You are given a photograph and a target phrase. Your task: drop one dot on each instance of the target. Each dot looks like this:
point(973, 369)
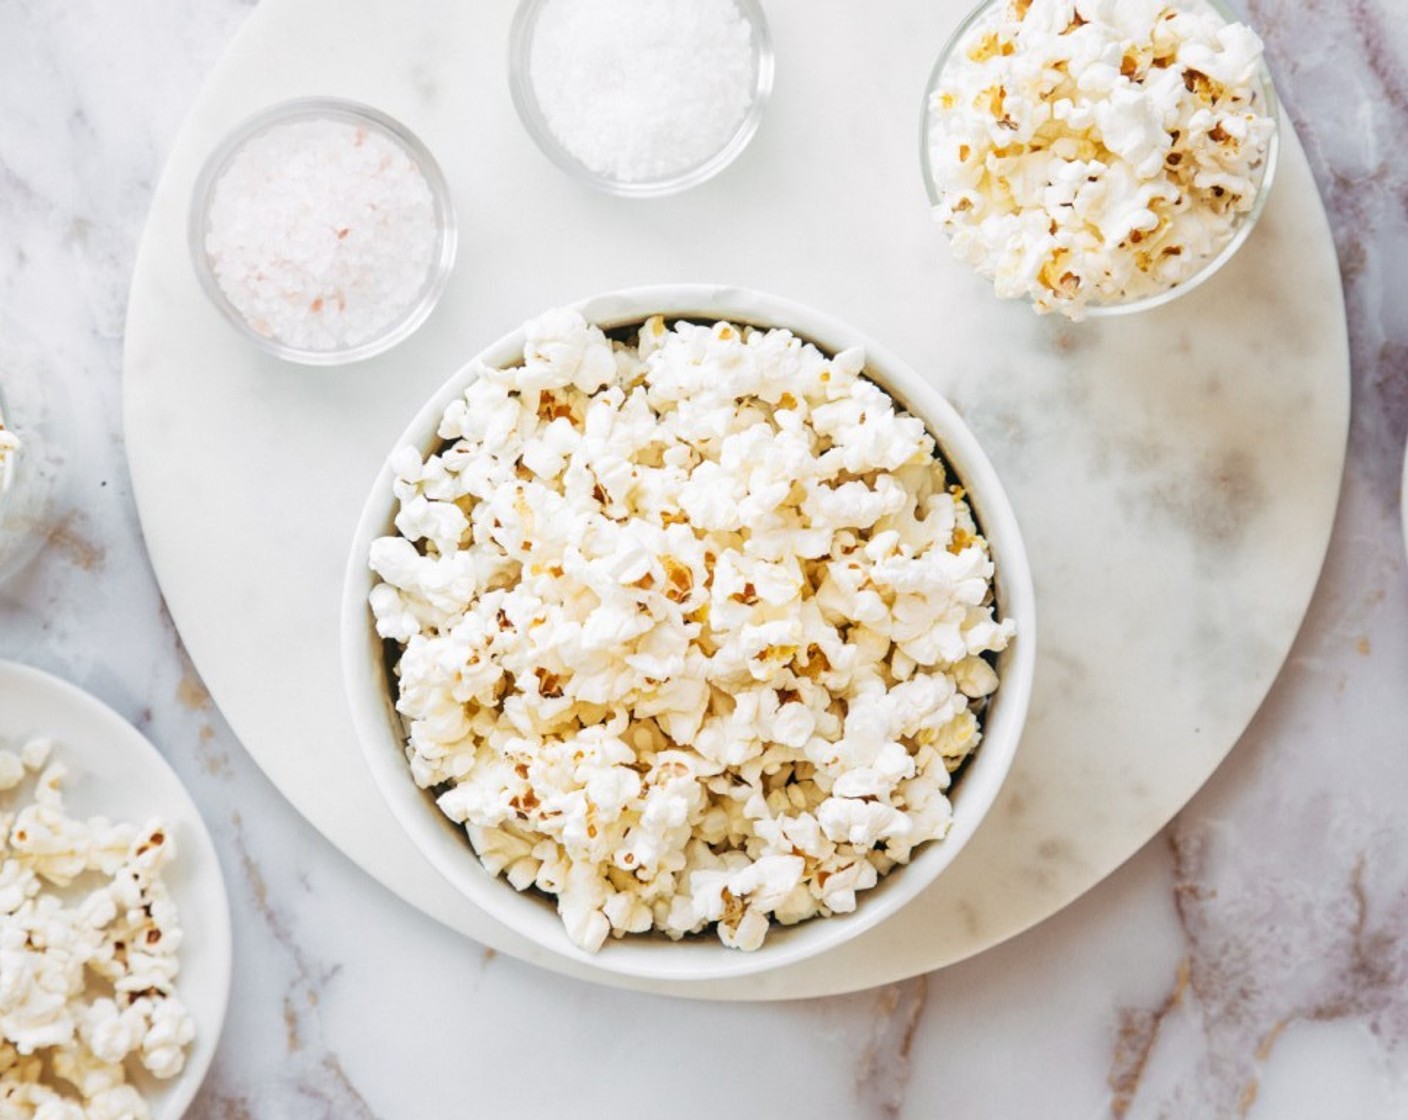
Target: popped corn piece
point(12, 771)
point(35, 753)
point(10, 446)
point(169, 1032)
point(691, 632)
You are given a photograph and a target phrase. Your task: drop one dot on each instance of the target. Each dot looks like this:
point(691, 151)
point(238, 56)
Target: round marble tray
point(1175, 473)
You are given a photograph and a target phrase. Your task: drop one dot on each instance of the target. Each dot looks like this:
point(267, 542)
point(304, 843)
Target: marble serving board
point(1175, 473)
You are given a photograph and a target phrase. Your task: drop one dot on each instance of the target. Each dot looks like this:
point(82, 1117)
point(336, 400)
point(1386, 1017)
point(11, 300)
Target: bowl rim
point(340, 109)
point(1265, 86)
point(443, 843)
point(534, 120)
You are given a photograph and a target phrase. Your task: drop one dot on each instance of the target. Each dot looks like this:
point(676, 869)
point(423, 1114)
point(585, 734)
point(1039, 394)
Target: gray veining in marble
point(1250, 963)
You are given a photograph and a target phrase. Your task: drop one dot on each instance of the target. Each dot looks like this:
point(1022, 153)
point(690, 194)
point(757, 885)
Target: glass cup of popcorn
point(32, 465)
point(1099, 166)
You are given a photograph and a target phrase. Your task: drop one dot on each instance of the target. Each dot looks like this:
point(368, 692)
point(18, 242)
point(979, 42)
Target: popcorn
point(1090, 152)
point(692, 632)
point(9, 455)
point(62, 944)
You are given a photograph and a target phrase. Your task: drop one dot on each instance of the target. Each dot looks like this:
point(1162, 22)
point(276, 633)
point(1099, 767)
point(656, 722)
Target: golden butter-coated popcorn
point(693, 630)
point(88, 943)
point(1097, 151)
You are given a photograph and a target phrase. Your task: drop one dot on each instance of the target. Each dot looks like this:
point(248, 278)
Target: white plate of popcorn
point(701, 620)
point(114, 924)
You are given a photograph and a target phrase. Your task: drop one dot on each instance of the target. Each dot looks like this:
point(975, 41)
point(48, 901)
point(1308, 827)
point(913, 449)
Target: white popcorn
point(169, 1033)
point(692, 631)
point(35, 753)
point(12, 771)
point(9, 455)
point(83, 912)
point(1093, 152)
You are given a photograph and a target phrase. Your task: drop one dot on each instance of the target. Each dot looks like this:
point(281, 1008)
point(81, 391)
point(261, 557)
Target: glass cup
point(33, 476)
point(1264, 98)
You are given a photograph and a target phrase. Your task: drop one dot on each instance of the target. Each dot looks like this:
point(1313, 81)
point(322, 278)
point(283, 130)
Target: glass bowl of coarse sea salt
point(323, 230)
point(641, 97)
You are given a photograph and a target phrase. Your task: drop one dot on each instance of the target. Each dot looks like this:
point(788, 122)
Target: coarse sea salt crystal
point(642, 90)
point(322, 233)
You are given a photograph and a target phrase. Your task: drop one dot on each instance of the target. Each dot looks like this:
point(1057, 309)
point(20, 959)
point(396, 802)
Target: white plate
point(115, 772)
point(1175, 473)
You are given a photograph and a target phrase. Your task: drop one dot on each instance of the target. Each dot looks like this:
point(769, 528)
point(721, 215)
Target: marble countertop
point(1251, 961)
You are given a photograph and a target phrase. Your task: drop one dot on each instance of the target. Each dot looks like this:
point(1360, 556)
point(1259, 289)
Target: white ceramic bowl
point(366, 661)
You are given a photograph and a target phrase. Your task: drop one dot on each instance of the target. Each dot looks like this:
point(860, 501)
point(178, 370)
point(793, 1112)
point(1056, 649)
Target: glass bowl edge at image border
point(339, 109)
point(40, 473)
point(535, 123)
point(1270, 103)
point(10, 479)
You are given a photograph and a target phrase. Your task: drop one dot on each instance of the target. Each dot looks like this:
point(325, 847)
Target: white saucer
point(1175, 473)
point(115, 772)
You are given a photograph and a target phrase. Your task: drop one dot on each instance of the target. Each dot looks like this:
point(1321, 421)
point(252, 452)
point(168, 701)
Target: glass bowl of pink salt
point(323, 230)
point(641, 98)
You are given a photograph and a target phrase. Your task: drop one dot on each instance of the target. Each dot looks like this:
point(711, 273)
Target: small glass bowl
point(352, 112)
point(520, 72)
point(1264, 95)
point(30, 405)
point(16, 543)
